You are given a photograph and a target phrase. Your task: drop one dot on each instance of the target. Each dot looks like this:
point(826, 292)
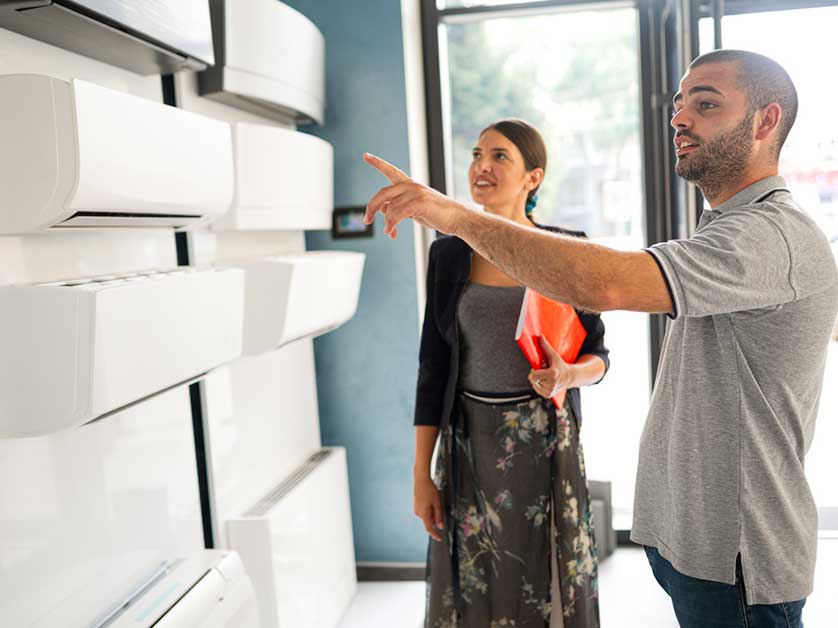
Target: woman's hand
point(558, 374)
point(427, 505)
point(405, 198)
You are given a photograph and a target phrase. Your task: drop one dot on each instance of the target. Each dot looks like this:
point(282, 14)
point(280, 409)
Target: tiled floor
point(629, 596)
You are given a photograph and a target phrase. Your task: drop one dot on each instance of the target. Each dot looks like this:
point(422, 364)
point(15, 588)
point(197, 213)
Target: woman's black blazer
point(449, 267)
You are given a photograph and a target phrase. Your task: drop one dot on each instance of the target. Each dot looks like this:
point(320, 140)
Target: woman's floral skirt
point(509, 474)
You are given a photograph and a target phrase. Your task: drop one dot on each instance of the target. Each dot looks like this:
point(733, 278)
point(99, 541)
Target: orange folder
point(557, 323)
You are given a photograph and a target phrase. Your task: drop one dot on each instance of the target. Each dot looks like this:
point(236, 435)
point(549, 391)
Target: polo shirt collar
point(751, 193)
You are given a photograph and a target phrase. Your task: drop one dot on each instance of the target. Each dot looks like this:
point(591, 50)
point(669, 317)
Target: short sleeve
point(739, 261)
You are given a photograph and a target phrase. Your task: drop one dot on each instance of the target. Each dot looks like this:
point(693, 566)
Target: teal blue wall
point(366, 370)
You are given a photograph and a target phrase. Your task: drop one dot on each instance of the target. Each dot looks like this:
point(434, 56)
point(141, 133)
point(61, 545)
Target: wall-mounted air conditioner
point(269, 59)
point(296, 544)
point(208, 590)
point(283, 180)
point(80, 155)
point(144, 36)
point(293, 296)
point(76, 350)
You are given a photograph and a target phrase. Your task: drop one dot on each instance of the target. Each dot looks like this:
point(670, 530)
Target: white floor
point(629, 596)
point(387, 605)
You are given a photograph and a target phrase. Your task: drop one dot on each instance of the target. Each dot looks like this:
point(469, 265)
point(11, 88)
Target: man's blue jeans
point(705, 604)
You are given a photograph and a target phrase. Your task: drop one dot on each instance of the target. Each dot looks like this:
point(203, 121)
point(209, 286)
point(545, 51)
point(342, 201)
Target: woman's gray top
point(490, 359)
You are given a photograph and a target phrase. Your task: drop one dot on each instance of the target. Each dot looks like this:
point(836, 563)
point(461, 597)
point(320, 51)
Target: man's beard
point(721, 161)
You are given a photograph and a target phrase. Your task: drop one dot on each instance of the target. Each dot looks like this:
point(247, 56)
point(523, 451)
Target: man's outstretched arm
point(567, 269)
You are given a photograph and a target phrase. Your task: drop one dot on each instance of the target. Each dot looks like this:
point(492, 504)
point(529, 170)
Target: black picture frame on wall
point(348, 222)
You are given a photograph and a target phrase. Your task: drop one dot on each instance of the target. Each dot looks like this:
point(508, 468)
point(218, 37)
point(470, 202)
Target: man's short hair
point(764, 81)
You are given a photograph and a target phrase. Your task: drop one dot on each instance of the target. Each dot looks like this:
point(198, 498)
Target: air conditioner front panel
point(194, 326)
point(36, 397)
point(272, 61)
point(137, 156)
point(324, 292)
point(76, 350)
point(290, 297)
point(37, 157)
point(268, 38)
point(284, 180)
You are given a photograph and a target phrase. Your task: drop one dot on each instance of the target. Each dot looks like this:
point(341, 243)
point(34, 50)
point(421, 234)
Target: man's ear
point(768, 120)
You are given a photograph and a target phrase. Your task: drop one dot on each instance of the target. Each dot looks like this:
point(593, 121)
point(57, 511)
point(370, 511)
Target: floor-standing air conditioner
point(296, 544)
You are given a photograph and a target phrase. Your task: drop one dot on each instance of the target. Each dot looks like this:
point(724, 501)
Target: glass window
point(797, 39)
point(575, 76)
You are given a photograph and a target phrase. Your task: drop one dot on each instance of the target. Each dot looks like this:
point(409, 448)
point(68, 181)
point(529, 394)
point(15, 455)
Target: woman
point(509, 460)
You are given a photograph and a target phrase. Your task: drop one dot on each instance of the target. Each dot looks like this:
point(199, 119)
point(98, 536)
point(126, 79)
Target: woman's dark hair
point(528, 140)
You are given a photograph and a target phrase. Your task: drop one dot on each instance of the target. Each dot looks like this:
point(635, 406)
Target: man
point(722, 505)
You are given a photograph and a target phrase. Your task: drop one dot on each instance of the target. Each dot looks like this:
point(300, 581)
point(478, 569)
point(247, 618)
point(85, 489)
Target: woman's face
point(498, 176)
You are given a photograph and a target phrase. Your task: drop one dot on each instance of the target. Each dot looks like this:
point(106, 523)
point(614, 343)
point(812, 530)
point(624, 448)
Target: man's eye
point(501, 156)
point(705, 105)
point(475, 156)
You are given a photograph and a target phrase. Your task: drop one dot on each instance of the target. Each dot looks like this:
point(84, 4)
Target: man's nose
point(680, 120)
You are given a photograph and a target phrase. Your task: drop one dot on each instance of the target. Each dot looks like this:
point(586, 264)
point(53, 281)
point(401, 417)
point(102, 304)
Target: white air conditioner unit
point(80, 155)
point(283, 180)
point(158, 39)
point(148, 37)
point(296, 544)
point(208, 590)
point(73, 351)
point(293, 296)
point(269, 59)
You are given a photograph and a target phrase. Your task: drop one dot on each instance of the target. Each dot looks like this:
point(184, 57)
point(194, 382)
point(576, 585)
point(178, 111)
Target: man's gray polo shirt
point(755, 292)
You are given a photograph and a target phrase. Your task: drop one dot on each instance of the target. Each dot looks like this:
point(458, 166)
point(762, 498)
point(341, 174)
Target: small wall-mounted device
point(348, 222)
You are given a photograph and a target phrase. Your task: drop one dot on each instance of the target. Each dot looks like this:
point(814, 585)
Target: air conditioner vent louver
point(264, 505)
point(126, 219)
